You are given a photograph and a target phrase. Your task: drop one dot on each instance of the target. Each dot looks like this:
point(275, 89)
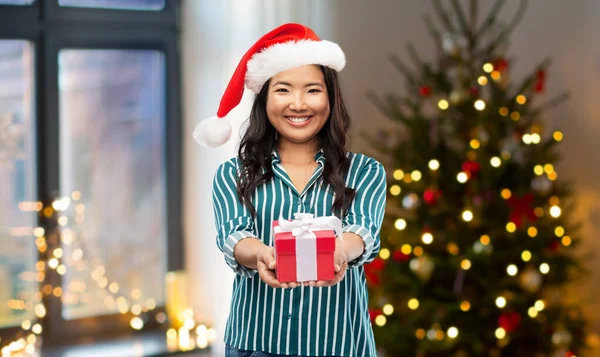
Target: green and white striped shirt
point(305, 321)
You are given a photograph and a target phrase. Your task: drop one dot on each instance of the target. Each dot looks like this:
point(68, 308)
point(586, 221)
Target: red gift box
point(303, 253)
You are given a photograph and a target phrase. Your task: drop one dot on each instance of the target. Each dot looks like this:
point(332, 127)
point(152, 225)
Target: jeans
point(231, 351)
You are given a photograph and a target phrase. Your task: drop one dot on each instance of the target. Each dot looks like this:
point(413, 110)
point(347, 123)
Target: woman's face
point(298, 104)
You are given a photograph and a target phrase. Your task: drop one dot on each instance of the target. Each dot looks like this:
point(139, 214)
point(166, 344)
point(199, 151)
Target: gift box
point(304, 247)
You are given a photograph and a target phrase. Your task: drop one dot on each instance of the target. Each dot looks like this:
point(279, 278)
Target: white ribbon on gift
point(302, 228)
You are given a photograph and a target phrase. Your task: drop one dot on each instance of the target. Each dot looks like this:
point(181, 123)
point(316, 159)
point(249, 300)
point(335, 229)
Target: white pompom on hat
point(288, 46)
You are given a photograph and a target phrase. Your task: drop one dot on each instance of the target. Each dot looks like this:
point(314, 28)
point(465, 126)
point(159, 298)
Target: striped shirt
point(305, 321)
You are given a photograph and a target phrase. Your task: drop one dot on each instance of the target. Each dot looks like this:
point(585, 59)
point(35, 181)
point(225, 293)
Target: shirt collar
point(319, 157)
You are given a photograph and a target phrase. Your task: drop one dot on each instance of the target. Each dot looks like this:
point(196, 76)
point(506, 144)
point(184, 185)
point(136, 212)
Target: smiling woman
point(296, 100)
point(293, 160)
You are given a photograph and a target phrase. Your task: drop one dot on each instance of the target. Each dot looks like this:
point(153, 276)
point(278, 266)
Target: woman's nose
point(298, 102)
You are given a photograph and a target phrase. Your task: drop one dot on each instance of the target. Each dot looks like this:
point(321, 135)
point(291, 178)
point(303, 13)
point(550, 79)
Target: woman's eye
point(314, 90)
point(281, 90)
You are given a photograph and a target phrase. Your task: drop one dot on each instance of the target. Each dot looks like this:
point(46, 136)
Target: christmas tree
point(478, 240)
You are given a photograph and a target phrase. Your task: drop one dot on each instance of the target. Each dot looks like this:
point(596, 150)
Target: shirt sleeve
point(365, 214)
point(233, 220)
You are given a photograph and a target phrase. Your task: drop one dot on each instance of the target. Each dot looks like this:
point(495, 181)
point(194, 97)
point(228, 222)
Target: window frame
point(52, 28)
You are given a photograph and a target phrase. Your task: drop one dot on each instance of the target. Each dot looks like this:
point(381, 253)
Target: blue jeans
point(231, 351)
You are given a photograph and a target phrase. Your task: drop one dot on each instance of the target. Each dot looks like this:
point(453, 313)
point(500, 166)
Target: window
point(18, 216)
point(89, 163)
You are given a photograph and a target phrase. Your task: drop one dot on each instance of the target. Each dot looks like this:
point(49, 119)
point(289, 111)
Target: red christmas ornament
point(509, 321)
point(500, 64)
point(521, 207)
point(373, 313)
point(372, 271)
point(425, 91)
point(472, 168)
point(569, 354)
point(431, 196)
point(400, 257)
point(540, 82)
point(540, 86)
point(540, 74)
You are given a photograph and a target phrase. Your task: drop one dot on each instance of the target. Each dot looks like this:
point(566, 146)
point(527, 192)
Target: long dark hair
point(260, 140)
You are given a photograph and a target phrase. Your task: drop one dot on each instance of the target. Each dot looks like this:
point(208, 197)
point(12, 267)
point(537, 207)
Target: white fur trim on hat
point(283, 56)
point(212, 132)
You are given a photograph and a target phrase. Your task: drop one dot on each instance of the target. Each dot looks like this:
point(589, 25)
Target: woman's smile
point(298, 121)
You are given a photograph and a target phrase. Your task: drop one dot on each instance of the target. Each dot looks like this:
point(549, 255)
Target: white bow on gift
point(304, 223)
point(302, 229)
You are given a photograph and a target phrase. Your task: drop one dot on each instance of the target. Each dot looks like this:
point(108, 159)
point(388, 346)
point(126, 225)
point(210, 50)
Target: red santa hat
point(288, 46)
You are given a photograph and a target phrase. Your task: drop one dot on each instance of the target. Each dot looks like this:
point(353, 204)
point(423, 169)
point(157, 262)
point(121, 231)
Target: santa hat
point(288, 46)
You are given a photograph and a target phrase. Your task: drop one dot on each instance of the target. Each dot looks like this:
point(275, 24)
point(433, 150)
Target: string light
point(418, 251)
point(495, 161)
point(427, 238)
point(505, 193)
point(479, 105)
point(443, 104)
point(416, 175)
point(548, 168)
point(544, 268)
point(465, 305)
point(538, 170)
point(532, 312)
point(512, 270)
point(500, 333)
point(467, 216)
point(501, 301)
point(453, 248)
point(452, 332)
point(398, 174)
point(462, 177)
point(521, 99)
point(495, 75)
point(515, 116)
point(388, 309)
point(532, 231)
point(566, 241)
point(395, 190)
point(555, 211)
point(380, 320)
point(400, 224)
point(413, 304)
point(503, 111)
point(559, 231)
point(484, 239)
point(557, 135)
point(384, 253)
point(420, 333)
point(406, 249)
point(526, 255)
point(465, 264)
point(474, 143)
point(511, 227)
point(488, 67)
point(434, 165)
point(539, 305)
point(482, 80)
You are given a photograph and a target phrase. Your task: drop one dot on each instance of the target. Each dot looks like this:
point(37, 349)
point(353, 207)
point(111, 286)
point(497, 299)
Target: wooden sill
point(143, 344)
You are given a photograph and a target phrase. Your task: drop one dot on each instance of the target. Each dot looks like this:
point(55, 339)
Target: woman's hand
point(340, 265)
point(266, 264)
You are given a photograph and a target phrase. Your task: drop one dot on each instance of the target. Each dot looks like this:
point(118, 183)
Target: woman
point(293, 158)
